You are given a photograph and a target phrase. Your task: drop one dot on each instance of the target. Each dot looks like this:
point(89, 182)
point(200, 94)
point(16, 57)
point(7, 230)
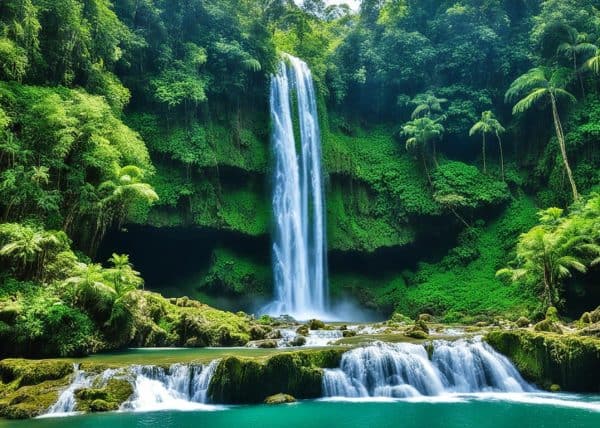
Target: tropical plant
point(489, 125)
point(539, 87)
point(550, 252)
point(576, 48)
point(427, 104)
point(421, 133)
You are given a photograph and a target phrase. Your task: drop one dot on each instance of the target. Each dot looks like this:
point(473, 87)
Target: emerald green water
point(317, 414)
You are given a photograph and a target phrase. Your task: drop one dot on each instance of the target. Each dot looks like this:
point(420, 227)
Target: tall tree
point(489, 125)
point(421, 133)
point(576, 48)
point(543, 86)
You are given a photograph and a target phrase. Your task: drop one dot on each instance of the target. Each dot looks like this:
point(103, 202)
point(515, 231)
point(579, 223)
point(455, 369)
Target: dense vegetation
point(446, 126)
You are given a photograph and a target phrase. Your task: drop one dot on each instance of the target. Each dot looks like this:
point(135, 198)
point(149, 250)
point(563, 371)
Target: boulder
point(298, 341)
point(523, 322)
point(280, 399)
point(315, 324)
point(266, 344)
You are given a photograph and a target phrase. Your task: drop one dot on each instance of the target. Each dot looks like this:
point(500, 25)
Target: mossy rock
point(547, 358)
point(258, 332)
point(108, 398)
point(267, 344)
point(315, 324)
point(243, 381)
point(303, 330)
point(552, 314)
point(523, 322)
point(592, 330)
point(348, 333)
point(279, 399)
point(416, 334)
point(585, 318)
point(31, 400)
point(595, 315)
point(32, 372)
point(548, 325)
point(298, 341)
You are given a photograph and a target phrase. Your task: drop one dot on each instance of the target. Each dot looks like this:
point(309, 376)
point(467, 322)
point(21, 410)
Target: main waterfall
point(299, 243)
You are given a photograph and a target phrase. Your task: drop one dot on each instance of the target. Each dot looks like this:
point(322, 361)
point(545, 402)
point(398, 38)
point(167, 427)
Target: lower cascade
point(178, 387)
point(405, 370)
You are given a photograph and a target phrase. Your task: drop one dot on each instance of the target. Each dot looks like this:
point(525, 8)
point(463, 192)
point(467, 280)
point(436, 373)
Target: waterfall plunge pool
point(465, 411)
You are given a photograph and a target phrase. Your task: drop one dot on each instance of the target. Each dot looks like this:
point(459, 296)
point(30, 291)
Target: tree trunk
point(501, 155)
point(426, 168)
point(483, 151)
point(578, 74)
point(561, 143)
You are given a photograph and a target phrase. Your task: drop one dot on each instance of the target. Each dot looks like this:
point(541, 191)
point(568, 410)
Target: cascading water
point(299, 248)
point(179, 387)
point(406, 370)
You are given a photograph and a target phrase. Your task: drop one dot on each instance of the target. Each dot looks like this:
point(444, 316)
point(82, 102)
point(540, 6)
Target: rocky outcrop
point(240, 380)
point(567, 360)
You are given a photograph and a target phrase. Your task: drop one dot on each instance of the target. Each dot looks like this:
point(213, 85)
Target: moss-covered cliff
point(569, 361)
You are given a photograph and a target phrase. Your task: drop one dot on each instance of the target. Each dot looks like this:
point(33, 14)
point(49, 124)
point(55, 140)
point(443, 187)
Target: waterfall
point(178, 387)
point(406, 370)
point(66, 402)
point(299, 243)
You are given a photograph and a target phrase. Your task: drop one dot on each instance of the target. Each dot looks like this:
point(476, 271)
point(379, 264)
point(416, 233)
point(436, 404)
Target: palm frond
point(530, 100)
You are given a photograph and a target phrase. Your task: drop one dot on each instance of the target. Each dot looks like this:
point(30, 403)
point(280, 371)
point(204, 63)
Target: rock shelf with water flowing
point(299, 238)
point(406, 370)
point(178, 387)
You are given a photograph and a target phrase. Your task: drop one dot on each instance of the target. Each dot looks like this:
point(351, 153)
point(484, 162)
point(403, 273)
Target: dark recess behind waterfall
point(173, 260)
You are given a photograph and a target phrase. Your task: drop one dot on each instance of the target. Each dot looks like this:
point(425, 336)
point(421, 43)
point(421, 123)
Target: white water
point(66, 403)
point(299, 242)
point(406, 370)
point(315, 338)
point(179, 387)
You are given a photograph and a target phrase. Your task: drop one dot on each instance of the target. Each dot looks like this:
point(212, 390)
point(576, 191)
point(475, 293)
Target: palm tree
point(427, 104)
point(540, 86)
point(421, 132)
point(117, 195)
point(489, 125)
point(40, 175)
point(28, 247)
point(122, 274)
point(574, 48)
point(88, 288)
point(548, 254)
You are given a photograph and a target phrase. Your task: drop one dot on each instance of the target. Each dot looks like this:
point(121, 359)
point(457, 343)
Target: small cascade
point(178, 387)
point(315, 338)
point(66, 403)
point(406, 370)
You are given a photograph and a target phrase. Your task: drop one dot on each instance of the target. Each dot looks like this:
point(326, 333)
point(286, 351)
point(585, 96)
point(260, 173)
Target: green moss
point(460, 290)
point(29, 387)
point(32, 372)
point(299, 374)
point(546, 358)
point(205, 145)
point(233, 273)
point(108, 398)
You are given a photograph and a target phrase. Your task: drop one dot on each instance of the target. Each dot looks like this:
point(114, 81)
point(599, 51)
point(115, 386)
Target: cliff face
point(213, 179)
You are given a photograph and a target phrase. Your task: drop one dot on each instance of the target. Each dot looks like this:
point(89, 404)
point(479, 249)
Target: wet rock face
point(568, 360)
point(28, 388)
point(241, 381)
